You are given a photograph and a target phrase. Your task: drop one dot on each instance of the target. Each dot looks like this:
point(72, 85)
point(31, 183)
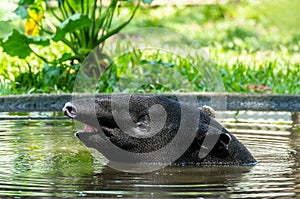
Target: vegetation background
point(254, 44)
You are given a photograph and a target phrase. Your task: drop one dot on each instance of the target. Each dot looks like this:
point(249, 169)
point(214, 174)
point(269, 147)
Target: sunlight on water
point(43, 158)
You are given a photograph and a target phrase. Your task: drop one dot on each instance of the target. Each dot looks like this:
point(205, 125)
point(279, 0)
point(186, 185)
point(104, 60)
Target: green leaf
point(17, 44)
point(5, 28)
point(65, 57)
point(147, 1)
point(75, 22)
point(26, 2)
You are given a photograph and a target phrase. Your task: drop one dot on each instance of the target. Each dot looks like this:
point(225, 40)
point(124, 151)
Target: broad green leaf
point(5, 28)
point(65, 57)
point(26, 2)
point(17, 44)
point(75, 22)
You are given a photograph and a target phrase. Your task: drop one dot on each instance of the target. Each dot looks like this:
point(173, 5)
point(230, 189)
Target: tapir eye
point(143, 123)
point(152, 122)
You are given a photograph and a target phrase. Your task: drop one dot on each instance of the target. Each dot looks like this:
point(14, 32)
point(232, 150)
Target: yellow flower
point(34, 17)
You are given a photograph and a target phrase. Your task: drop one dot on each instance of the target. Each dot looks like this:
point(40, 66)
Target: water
point(42, 158)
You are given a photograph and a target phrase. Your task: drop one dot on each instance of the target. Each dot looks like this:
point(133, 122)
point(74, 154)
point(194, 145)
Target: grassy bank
point(250, 49)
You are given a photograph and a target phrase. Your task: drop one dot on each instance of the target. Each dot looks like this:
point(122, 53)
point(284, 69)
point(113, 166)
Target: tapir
point(160, 128)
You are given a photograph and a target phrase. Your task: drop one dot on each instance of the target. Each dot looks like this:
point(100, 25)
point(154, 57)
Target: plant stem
point(56, 16)
point(116, 30)
point(68, 43)
point(108, 16)
point(64, 10)
point(88, 7)
point(82, 6)
point(70, 7)
point(93, 17)
point(42, 58)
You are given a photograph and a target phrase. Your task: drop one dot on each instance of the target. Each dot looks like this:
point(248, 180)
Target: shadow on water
point(42, 158)
point(168, 182)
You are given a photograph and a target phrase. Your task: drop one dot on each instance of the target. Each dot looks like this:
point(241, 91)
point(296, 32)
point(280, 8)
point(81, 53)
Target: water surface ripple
point(42, 158)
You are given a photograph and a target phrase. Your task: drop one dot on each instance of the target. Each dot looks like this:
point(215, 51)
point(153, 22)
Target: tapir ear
point(209, 111)
point(225, 139)
point(220, 148)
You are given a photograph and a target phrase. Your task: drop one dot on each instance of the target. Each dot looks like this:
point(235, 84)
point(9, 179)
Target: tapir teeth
point(88, 128)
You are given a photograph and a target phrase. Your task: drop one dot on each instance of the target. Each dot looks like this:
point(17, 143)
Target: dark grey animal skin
point(227, 150)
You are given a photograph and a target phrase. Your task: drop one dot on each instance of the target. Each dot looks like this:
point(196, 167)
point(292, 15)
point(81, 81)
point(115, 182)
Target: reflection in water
point(43, 158)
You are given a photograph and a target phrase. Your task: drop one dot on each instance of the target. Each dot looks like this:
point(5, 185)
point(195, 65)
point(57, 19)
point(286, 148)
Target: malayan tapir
point(143, 124)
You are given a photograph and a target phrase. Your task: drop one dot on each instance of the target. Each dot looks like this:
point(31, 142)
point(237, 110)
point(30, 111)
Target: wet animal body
point(144, 124)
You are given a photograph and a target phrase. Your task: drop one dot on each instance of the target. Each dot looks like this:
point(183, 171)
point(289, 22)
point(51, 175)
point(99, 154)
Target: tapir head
point(143, 124)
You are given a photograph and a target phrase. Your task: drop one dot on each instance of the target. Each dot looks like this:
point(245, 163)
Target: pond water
point(41, 157)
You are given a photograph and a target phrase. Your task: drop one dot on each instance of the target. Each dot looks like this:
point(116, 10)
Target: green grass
point(247, 46)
